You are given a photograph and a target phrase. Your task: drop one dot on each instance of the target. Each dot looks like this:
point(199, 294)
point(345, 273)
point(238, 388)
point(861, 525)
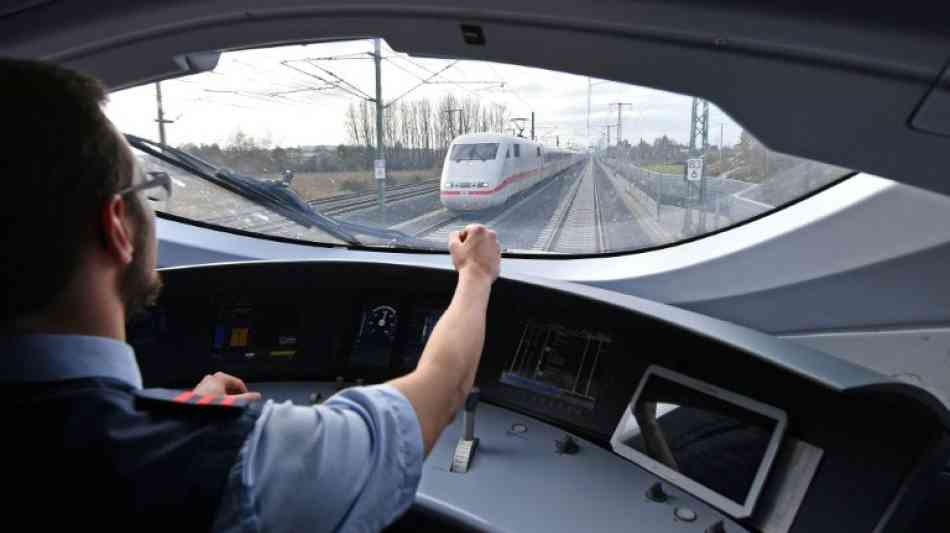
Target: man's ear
point(117, 231)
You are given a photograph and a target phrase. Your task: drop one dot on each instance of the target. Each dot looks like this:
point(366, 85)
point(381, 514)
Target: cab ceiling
point(840, 84)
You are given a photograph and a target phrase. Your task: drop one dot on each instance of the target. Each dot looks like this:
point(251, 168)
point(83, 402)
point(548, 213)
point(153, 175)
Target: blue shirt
point(352, 463)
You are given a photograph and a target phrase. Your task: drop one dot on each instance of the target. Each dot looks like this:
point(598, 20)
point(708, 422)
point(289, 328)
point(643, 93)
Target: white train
point(483, 170)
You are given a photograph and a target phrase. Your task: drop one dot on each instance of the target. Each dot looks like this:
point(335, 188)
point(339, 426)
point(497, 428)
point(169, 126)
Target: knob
point(339, 383)
point(656, 493)
point(359, 382)
point(716, 527)
point(567, 446)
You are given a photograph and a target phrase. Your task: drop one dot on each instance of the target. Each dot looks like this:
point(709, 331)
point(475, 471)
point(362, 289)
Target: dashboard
point(561, 362)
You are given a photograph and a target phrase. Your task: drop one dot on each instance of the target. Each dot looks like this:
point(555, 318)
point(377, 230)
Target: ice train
point(483, 170)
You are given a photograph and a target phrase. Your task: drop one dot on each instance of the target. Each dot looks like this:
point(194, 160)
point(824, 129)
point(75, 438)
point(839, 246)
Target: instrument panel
point(570, 360)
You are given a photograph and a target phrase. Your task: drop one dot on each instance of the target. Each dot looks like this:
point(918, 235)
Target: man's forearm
point(456, 343)
point(437, 387)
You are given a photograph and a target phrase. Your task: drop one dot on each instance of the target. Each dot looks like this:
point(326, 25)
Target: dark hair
point(61, 161)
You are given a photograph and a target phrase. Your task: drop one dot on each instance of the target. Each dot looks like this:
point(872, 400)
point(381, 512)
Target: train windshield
point(353, 143)
point(478, 151)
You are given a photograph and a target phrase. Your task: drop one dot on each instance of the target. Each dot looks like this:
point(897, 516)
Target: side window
point(539, 151)
point(517, 150)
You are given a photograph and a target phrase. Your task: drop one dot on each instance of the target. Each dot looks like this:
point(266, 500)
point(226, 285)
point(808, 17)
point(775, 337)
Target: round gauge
point(381, 321)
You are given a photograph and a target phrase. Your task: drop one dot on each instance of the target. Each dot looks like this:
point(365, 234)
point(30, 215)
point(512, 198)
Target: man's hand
point(475, 252)
point(221, 384)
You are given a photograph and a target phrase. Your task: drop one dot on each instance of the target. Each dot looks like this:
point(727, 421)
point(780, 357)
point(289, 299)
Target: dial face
point(380, 322)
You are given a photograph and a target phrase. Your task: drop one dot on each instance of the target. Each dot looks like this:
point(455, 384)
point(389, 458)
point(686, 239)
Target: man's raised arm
point(438, 386)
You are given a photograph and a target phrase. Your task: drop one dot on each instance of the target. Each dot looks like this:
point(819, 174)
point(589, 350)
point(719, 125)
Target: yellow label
point(283, 353)
point(238, 337)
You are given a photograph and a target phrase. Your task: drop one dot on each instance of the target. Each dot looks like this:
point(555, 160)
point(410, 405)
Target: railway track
point(261, 220)
point(437, 225)
point(578, 225)
point(349, 203)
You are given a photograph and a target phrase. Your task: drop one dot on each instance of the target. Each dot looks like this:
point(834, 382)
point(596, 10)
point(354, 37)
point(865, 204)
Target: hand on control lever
point(475, 252)
point(221, 384)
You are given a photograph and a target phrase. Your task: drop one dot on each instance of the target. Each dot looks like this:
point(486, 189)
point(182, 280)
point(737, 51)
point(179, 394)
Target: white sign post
point(379, 165)
point(694, 169)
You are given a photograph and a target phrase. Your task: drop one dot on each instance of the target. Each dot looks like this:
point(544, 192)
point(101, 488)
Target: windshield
point(295, 142)
point(480, 151)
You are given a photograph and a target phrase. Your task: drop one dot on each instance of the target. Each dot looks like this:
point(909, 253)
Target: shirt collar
point(45, 358)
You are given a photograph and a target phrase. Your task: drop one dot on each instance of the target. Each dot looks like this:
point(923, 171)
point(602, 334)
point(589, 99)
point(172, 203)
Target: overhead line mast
point(161, 113)
point(380, 153)
point(620, 119)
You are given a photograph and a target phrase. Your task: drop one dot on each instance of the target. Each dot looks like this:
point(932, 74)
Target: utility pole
point(607, 127)
point(699, 128)
point(161, 113)
point(380, 152)
point(588, 108)
point(720, 148)
point(620, 119)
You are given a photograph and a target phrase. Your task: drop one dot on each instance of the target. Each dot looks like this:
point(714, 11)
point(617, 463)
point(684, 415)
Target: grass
point(323, 184)
point(666, 169)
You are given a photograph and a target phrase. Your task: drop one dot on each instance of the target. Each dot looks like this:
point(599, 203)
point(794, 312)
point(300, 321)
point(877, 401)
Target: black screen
point(716, 443)
point(555, 361)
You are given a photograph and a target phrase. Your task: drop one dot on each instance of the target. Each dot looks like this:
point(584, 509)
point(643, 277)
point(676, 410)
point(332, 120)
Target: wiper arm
point(275, 196)
point(285, 203)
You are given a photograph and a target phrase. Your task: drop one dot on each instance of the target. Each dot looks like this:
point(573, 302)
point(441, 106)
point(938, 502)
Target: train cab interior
point(727, 309)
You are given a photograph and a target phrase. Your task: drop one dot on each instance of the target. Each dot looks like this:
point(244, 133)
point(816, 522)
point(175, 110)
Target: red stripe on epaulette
point(185, 396)
point(205, 399)
point(150, 399)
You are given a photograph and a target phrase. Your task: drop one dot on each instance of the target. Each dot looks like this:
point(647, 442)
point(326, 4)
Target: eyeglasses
point(158, 185)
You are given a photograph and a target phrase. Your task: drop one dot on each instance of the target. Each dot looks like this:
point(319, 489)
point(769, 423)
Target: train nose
point(466, 200)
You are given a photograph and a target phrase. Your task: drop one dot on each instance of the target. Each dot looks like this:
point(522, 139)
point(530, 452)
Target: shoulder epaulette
point(186, 399)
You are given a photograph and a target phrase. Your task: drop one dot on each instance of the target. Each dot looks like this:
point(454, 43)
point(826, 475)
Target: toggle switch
point(656, 493)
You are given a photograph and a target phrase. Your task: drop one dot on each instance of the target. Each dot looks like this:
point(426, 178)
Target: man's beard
point(140, 285)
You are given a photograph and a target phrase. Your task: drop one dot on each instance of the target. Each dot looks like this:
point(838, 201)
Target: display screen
point(373, 346)
point(254, 333)
point(717, 443)
point(556, 361)
point(422, 321)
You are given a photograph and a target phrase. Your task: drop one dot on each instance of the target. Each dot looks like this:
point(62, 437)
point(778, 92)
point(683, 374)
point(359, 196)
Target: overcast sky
point(275, 93)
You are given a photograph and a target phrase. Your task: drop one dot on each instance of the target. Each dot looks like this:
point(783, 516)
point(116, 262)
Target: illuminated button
point(685, 514)
point(238, 337)
point(519, 428)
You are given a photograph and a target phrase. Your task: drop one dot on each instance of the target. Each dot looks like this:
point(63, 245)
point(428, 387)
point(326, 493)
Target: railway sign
point(694, 169)
point(379, 165)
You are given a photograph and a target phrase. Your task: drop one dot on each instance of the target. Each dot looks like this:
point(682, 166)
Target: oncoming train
point(484, 170)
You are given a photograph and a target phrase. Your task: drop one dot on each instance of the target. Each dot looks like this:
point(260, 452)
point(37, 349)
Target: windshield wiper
point(275, 196)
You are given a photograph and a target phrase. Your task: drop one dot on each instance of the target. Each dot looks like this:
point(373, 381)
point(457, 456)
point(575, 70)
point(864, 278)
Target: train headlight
point(482, 185)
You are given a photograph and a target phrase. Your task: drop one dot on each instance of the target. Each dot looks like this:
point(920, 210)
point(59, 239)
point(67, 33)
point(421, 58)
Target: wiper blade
point(274, 195)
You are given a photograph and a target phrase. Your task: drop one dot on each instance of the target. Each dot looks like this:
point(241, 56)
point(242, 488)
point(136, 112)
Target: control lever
point(468, 443)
